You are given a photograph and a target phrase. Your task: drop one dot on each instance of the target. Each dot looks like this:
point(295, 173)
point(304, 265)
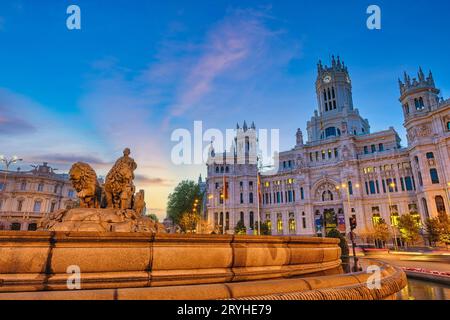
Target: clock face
point(327, 79)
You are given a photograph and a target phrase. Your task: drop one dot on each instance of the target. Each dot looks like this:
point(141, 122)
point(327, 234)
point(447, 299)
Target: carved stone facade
point(343, 170)
point(28, 195)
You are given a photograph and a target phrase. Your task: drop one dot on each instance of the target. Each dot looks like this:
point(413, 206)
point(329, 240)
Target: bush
point(240, 228)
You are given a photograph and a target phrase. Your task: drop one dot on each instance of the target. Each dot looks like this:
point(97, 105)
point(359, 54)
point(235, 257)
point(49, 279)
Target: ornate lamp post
point(352, 224)
point(8, 163)
point(392, 186)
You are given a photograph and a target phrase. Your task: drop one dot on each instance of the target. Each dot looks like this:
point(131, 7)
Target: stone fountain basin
point(39, 261)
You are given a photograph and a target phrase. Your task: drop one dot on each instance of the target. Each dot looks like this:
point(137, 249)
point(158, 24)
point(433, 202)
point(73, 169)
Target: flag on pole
point(225, 188)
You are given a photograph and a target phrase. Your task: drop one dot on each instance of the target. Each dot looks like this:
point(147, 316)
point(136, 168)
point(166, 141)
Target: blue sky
point(140, 69)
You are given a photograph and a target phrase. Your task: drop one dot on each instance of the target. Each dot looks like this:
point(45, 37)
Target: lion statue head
point(84, 181)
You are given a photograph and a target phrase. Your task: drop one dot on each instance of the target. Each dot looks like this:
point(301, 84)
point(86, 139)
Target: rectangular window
point(242, 198)
point(367, 188)
point(434, 176)
point(373, 148)
point(381, 147)
point(402, 182)
point(384, 185)
point(350, 188)
point(366, 150)
point(336, 153)
point(302, 193)
point(372, 187)
point(378, 186)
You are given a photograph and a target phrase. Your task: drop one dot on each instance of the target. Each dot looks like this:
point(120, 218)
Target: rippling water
point(424, 290)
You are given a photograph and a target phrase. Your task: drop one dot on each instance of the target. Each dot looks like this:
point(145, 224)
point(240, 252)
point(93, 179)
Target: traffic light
point(353, 223)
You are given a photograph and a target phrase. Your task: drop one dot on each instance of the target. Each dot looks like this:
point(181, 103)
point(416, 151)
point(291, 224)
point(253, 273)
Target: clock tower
point(333, 87)
point(336, 115)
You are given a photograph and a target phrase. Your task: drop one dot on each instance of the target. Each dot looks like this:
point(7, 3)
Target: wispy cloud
point(153, 181)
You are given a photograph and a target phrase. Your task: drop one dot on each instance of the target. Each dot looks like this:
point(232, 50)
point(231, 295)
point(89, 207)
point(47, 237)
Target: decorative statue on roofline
point(114, 207)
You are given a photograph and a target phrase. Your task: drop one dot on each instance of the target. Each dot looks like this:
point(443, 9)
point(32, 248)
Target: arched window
point(52, 207)
point(292, 224)
point(280, 223)
point(20, 205)
point(217, 169)
point(327, 196)
point(37, 206)
point(440, 205)
point(406, 107)
point(330, 132)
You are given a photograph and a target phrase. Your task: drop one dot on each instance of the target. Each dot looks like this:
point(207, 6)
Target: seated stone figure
point(123, 212)
point(119, 187)
point(84, 180)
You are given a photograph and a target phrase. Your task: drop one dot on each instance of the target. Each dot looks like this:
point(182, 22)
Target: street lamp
point(392, 186)
point(352, 236)
point(8, 163)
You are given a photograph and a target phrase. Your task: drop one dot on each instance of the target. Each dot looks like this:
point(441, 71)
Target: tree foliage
point(189, 221)
point(264, 228)
point(154, 217)
point(182, 200)
point(240, 228)
point(433, 228)
point(382, 231)
point(409, 228)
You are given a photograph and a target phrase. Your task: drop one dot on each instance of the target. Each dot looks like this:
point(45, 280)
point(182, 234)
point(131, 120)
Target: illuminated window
point(292, 224)
point(280, 223)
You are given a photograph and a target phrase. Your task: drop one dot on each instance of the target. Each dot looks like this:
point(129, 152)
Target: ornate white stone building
point(344, 169)
point(26, 196)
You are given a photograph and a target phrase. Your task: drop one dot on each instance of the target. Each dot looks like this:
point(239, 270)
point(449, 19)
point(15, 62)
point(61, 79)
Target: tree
point(154, 217)
point(343, 242)
point(433, 227)
point(382, 233)
point(182, 200)
point(444, 235)
point(240, 228)
point(264, 228)
point(409, 228)
point(188, 222)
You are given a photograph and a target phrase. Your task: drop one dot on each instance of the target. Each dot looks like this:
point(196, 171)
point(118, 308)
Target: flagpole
point(257, 196)
point(224, 199)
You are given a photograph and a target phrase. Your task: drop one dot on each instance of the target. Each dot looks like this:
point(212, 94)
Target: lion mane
point(84, 180)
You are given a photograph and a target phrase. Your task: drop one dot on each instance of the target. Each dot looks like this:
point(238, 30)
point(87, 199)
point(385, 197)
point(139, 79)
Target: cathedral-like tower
point(333, 87)
point(336, 115)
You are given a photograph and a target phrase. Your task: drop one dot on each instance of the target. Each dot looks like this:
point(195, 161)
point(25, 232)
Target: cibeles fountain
point(114, 207)
point(120, 254)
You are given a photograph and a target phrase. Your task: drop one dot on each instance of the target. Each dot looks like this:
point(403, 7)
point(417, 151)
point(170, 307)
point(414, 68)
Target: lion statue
point(84, 180)
point(119, 188)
